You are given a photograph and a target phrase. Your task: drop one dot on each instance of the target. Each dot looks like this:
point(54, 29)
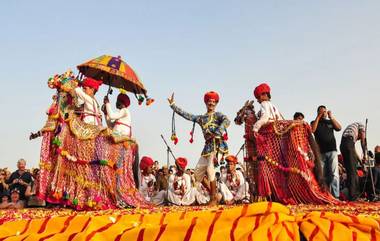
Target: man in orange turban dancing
point(214, 125)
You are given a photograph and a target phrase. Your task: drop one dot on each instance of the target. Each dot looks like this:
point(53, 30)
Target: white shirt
point(268, 113)
point(121, 120)
point(91, 112)
point(145, 190)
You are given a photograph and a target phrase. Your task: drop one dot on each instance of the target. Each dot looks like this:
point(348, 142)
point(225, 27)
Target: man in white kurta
point(147, 183)
point(268, 112)
point(180, 191)
point(91, 111)
point(121, 119)
point(234, 187)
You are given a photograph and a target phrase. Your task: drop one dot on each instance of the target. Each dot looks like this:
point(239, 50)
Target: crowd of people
point(346, 177)
point(177, 185)
point(17, 188)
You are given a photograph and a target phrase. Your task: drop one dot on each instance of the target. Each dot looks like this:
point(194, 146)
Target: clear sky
point(310, 52)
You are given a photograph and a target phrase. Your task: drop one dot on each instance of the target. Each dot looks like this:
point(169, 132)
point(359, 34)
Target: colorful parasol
point(113, 71)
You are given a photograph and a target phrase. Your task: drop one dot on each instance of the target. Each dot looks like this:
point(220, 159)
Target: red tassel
point(175, 141)
point(225, 136)
point(191, 140)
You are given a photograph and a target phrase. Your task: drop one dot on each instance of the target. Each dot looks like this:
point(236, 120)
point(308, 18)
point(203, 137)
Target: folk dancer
point(147, 183)
point(214, 125)
point(180, 191)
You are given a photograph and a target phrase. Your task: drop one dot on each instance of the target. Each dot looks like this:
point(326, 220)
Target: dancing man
point(214, 125)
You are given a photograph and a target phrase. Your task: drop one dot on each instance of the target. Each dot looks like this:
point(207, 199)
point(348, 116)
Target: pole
point(168, 147)
point(168, 150)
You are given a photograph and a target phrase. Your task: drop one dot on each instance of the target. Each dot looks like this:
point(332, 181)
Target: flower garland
point(60, 151)
point(288, 169)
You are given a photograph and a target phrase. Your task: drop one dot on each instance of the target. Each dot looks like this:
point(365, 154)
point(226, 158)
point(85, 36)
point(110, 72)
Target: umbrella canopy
point(113, 71)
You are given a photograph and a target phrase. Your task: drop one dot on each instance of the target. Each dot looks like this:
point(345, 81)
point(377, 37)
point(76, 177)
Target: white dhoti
point(205, 166)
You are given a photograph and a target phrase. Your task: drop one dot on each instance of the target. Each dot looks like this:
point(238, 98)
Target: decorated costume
point(148, 181)
point(91, 111)
point(247, 116)
point(213, 126)
point(268, 112)
point(180, 190)
point(234, 187)
point(81, 165)
point(288, 164)
point(120, 120)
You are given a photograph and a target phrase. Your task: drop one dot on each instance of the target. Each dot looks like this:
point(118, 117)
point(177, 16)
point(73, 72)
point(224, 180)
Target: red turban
point(263, 88)
point(92, 83)
point(231, 159)
point(146, 162)
point(211, 95)
point(181, 162)
point(124, 99)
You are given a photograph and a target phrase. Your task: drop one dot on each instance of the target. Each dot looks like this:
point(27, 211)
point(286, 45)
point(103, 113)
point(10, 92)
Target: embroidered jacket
point(214, 125)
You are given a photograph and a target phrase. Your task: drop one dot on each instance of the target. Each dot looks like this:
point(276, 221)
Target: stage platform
point(257, 221)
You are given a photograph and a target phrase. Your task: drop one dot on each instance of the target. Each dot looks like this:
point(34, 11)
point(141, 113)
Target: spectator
point(376, 174)
point(235, 188)
point(180, 191)
point(351, 134)
point(20, 179)
point(16, 202)
point(223, 172)
point(156, 167)
point(162, 179)
point(323, 128)
point(298, 116)
point(3, 184)
point(30, 193)
point(4, 200)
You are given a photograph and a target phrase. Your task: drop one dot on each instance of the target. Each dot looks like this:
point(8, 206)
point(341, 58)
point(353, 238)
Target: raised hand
point(171, 99)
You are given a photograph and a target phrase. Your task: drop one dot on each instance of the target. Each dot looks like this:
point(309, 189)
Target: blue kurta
point(214, 124)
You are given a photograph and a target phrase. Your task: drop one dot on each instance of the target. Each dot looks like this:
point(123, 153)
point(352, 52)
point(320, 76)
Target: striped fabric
point(353, 130)
point(264, 221)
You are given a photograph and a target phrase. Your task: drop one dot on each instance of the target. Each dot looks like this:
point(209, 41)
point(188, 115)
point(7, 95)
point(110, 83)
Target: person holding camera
point(323, 128)
point(20, 179)
point(353, 133)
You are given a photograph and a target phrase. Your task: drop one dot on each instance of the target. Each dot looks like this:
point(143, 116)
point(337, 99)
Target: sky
point(309, 52)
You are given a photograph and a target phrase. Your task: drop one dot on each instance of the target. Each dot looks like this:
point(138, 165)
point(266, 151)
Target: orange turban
point(146, 162)
point(263, 88)
point(181, 162)
point(211, 95)
point(92, 83)
point(231, 159)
